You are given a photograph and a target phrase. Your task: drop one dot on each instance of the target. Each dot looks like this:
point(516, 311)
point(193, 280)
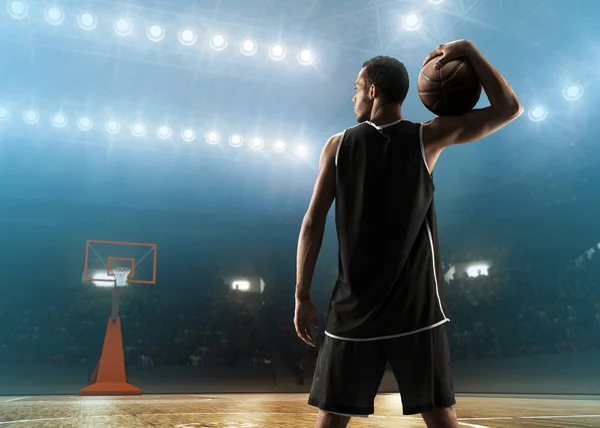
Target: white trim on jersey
point(437, 287)
point(337, 152)
point(379, 127)
point(391, 336)
point(423, 148)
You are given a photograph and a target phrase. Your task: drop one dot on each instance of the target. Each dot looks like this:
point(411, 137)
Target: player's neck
point(385, 114)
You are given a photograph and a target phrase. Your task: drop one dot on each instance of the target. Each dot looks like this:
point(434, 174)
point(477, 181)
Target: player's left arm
point(476, 124)
point(313, 224)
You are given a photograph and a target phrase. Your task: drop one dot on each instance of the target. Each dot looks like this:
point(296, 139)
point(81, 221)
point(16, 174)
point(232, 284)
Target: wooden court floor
point(279, 410)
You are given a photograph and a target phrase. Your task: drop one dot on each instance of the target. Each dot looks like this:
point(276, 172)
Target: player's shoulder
point(332, 144)
point(336, 137)
point(356, 128)
point(434, 129)
point(439, 130)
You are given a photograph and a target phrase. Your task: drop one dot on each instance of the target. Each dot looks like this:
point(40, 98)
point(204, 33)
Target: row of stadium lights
point(139, 129)
point(412, 21)
point(87, 21)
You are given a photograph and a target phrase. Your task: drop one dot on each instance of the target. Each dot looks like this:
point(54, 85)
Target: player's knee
point(331, 420)
point(443, 417)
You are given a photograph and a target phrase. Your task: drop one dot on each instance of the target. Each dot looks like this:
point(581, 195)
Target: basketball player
point(388, 304)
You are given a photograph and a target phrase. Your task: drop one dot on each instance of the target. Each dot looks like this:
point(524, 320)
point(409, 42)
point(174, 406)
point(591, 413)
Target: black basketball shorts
point(348, 373)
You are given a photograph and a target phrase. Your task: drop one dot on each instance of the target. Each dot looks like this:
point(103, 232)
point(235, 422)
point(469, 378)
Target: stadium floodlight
point(188, 135)
point(112, 127)
point(411, 21)
point(218, 42)
point(59, 120)
point(187, 37)
point(279, 146)
point(31, 116)
point(538, 113)
point(248, 47)
point(54, 15)
point(301, 150)
point(236, 140)
point(85, 123)
point(138, 129)
point(4, 113)
point(123, 26)
point(212, 137)
point(155, 32)
point(277, 52)
point(164, 132)
point(17, 9)
point(257, 143)
point(87, 21)
point(573, 92)
point(306, 57)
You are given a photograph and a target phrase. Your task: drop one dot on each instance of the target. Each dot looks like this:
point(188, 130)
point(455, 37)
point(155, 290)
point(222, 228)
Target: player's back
point(390, 280)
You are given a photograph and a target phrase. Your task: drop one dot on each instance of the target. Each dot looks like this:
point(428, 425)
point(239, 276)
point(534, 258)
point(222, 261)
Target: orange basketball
point(452, 90)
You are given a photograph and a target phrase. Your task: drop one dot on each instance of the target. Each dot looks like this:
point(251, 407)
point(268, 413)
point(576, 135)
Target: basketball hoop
point(121, 274)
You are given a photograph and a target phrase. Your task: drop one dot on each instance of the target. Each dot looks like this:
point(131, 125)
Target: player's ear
point(372, 92)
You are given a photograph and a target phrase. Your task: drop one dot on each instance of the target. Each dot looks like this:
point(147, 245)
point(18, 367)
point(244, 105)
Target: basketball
point(452, 90)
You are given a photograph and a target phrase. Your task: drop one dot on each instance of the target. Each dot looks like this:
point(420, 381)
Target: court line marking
point(560, 417)
point(16, 399)
point(494, 418)
point(460, 420)
point(501, 418)
point(112, 399)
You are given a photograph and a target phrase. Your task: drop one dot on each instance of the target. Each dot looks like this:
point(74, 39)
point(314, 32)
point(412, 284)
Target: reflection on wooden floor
point(279, 410)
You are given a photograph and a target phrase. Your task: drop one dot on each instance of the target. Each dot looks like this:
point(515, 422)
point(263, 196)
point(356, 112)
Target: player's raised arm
point(478, 123)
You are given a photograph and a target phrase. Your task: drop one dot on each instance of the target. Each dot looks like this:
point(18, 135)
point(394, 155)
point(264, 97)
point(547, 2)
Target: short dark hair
point(389, 76)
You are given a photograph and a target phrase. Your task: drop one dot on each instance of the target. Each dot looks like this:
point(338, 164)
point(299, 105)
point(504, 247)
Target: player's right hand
point(305, 313)
point(448, 51)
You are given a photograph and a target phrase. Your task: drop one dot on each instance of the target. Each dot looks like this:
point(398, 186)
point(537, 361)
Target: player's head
point(382, 78)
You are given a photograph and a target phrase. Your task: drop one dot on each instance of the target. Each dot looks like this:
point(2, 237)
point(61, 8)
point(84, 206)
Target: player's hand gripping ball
point(448, 84)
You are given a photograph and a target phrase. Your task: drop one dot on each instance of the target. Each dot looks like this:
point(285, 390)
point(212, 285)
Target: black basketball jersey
point(390, 279)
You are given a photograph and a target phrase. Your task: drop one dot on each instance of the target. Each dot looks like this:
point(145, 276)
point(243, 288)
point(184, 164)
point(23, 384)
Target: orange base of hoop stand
point(110, 378)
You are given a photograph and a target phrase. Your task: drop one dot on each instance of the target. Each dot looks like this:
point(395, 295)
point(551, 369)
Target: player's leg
point(331, 420)
point(346, 380)
point(421, 365)
point(444, 417)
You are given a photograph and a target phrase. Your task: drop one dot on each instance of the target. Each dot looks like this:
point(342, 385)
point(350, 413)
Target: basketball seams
point(453, 73)
point(451, 90)
point(443, 91)
point(439, 73)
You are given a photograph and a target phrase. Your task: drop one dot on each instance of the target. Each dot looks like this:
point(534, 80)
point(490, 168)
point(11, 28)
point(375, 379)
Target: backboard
point(103, 256)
